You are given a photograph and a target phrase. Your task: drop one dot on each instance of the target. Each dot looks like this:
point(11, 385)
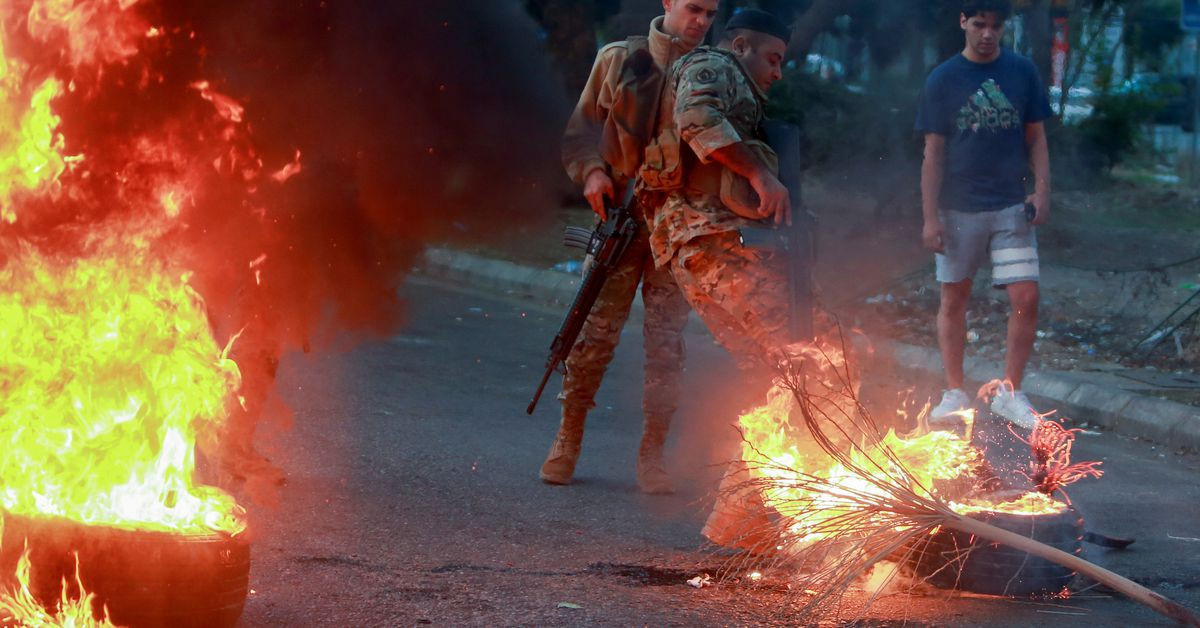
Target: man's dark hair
point(1002, 8)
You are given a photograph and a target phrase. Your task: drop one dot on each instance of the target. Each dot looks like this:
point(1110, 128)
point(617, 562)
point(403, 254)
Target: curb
point(548, 287)
point(1121, 411)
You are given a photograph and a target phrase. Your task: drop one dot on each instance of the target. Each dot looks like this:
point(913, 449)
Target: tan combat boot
point(652, 476)
point(739, 518)
point(560, 462)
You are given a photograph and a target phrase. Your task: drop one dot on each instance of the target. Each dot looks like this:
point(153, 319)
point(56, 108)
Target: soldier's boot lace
point(564, 453)
point(652, 476)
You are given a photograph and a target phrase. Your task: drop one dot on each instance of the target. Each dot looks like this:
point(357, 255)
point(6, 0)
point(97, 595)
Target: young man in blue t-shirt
point(982, 114)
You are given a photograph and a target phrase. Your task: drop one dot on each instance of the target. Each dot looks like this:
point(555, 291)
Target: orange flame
point(90, 32)
point(110, 372)
point(19, 607)
point(938, 464)
point(1051, 468)
point(226, 107)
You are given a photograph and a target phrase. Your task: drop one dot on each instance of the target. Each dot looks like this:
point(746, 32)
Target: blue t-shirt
point(982, 110)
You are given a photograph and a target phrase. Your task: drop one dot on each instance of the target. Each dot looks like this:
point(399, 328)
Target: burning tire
point(144, 578)
point(953, 559)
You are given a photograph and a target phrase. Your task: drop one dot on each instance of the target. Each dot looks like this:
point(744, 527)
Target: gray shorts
point(970, 237)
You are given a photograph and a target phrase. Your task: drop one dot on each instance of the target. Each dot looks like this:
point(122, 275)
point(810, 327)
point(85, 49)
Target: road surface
point(412, 495)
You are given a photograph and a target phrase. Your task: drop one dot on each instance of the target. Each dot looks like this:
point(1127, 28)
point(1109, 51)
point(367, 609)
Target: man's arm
point(773, 197)
point(1039, 159)
point(581, 139)
point(933, 168)
point(704, 81)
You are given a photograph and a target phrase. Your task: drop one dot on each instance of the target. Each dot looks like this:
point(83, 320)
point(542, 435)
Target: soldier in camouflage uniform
point(729, 182)
point(729, 185)
point(619, 109)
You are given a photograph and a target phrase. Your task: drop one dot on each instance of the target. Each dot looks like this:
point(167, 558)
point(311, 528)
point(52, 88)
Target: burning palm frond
point(1051, 468)
point(876, 496)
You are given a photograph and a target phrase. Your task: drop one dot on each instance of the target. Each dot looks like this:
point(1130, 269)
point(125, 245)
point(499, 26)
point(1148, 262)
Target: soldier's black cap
point(759, 21)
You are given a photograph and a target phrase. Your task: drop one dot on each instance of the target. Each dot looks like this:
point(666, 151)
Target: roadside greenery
point(855, 70)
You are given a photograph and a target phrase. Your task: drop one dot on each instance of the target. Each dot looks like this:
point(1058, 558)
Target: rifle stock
point(607, 247)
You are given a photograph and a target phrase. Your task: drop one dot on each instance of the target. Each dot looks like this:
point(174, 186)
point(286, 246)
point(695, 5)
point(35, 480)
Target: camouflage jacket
point(716, 105)
point(612, 120)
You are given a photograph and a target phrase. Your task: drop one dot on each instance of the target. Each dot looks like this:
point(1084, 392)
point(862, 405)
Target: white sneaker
point(948, 415)
point(1014, 406)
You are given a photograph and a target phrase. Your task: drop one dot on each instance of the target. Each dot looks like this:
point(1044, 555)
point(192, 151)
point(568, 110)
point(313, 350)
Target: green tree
point(1150, 30)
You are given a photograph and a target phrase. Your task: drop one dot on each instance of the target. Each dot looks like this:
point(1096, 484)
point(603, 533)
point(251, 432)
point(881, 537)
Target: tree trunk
point(948, 35)
point(817, 19)
point(916, 59)
point(1041, 36)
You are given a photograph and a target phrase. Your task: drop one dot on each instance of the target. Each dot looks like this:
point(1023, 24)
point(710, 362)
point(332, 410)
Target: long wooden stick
point(1117, 582)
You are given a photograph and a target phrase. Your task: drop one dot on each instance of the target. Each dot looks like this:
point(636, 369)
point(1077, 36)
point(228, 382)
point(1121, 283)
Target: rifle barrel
point(542, 386)
point(613, 239)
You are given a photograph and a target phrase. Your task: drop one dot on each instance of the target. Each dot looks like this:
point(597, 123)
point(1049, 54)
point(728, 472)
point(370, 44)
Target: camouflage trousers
point(739, 294)
point(666, 313)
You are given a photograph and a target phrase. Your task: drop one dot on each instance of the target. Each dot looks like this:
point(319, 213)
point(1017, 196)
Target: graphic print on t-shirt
point(988, 108)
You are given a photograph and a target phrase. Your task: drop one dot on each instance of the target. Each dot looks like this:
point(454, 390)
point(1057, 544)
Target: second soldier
point(620, 109)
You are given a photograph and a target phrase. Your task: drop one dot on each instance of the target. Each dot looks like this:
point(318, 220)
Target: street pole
point(1193, 171)
point(1189, 22)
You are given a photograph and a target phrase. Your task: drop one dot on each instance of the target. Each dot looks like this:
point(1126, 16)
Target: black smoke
point(416, 122)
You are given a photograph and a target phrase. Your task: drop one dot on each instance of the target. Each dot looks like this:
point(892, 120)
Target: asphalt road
point(412, 496)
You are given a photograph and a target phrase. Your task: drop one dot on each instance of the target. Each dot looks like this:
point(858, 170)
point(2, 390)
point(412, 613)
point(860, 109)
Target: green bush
point(1115, 127)
point(845, 128)
point(1074, 161)
point(1083, 154)
point(859, 136)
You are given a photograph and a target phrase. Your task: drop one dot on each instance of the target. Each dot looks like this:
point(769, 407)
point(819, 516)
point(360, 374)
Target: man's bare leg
point(1022, 328)
point(952, 329)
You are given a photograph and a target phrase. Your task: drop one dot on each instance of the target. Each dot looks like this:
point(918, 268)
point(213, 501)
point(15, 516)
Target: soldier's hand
point(931, 236)
point(598, 185)
point(773, 200)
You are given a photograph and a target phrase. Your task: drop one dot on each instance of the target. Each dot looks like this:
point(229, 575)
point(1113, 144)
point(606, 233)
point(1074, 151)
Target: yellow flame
point(20, 608)
point(927, 464)
point(108, 371)
point(933, 457)
point(30, 145)
point(171, 199)
point(1031, 503)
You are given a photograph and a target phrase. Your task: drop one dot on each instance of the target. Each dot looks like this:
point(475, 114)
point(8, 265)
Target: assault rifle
point(795, 242)
point(606, 245)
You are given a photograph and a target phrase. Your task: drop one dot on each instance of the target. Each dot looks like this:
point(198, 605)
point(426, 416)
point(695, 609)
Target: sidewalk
point(1111, 399)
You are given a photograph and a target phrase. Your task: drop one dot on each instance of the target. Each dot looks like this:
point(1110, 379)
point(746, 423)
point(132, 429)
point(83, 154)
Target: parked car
point(1078, 105)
